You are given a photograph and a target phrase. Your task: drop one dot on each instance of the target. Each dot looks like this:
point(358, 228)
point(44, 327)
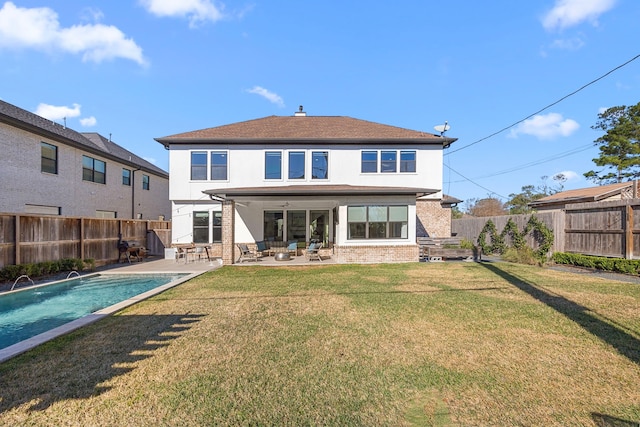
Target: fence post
point(17, 239)
point(628, 232)
point(82, 238)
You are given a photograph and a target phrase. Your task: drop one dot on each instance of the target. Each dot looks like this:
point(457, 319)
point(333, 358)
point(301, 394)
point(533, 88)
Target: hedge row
point(12, 272)
point(617, 265)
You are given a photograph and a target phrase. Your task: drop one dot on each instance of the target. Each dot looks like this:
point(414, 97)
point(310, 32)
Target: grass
point(387, 345)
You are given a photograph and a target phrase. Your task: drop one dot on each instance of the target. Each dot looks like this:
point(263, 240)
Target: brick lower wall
point(433, 220)
point(376, 254)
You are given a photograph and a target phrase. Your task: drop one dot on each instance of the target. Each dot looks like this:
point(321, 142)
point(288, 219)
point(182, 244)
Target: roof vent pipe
point(300, 113)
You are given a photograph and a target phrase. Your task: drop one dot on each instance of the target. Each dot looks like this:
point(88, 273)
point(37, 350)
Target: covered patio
point(353, 223)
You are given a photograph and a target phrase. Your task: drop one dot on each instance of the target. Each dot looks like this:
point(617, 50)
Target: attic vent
point(300, 113)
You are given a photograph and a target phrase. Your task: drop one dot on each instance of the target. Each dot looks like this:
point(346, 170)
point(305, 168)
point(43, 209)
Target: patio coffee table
point(282, 256)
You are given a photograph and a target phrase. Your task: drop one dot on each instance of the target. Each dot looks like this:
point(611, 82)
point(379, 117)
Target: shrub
point(525, 255)
point(618, 265)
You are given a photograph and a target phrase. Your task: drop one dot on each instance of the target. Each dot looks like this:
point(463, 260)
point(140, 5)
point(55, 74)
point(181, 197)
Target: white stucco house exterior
point(363, 189)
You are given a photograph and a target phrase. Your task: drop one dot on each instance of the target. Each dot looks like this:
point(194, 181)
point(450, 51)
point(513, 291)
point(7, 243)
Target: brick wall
point(433, 219)
point(375, 254)
point(228, 235)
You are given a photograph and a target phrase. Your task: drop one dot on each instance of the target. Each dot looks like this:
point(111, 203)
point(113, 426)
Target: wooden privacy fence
point(610, 229)
point(27, 239)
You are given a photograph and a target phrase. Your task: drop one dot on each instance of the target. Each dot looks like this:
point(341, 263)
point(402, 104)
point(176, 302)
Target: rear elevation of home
point(364, 190)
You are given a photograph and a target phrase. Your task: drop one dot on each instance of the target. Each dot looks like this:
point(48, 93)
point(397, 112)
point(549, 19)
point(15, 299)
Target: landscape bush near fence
point(606, 229)
point(33, 239)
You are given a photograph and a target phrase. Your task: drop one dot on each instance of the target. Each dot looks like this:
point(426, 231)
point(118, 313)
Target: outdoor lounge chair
point(246, 254)
point(313, 251)
point(261, 248)
point(292, 247)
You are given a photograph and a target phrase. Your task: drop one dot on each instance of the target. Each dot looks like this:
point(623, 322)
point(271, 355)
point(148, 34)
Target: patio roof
point(316, 190)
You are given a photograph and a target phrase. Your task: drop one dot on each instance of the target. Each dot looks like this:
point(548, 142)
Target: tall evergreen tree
point(619, 146)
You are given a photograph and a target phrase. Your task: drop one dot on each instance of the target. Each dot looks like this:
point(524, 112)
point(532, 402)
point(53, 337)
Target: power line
point(474, 183)
point(535, 162)
point(547, 107)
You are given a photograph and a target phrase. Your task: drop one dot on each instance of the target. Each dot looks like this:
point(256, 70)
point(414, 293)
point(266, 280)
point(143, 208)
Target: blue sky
point(142, 69)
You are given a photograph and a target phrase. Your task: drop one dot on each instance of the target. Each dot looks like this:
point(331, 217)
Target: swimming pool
point(25, 314)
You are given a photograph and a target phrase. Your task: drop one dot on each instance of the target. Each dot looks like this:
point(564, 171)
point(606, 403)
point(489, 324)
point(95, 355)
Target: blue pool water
point(29, 312)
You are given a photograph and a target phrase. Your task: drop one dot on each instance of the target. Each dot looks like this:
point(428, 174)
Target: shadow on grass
point(626, 344)
point(75, 366)
point(602, 420)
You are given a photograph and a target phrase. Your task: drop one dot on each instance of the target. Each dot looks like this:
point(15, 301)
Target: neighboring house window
point(200, 227)
point(94, 170)
point(273, 225)
point(42, 209)
point(145, 182)
point(49, 158)
point(388, 161)
point(106, 214)
point(407, 161)
point(320, 165)
point(198, 166)
point(377, 222)
point(126, 176)
point(219, 165)
point(217, 227)
point(369, 162)
point(296, 165)
point(272, 165)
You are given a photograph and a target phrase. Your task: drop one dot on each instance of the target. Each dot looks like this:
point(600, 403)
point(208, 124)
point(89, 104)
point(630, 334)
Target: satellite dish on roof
point(442, 128)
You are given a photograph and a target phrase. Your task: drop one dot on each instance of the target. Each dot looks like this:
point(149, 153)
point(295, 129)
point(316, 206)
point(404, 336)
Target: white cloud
point(54, 112)
point(568, 13)
point(573, 43)
point(197, 11)
point(88, 121)
point(151, 160)
point(547, 126)
point(602, 109)
point(39, 28)
point(270, 96)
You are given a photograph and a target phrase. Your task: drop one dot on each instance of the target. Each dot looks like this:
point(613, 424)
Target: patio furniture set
point(279, 250)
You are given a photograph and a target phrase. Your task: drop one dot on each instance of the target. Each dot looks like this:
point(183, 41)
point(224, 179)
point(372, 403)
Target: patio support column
point(228, 234)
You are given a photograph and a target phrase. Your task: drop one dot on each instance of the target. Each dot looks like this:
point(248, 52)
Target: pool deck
point(160, 265)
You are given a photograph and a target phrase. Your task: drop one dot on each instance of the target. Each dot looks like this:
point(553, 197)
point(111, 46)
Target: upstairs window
point(273, 165)
point(49, 158)
point(407, 161)
point(320, 165)
point(369, 162)
point(126, 176)
point(388, 161)
point(198, 166)
point(296, 165)
point(145, 182)
point(219, 165)
point(94, 170)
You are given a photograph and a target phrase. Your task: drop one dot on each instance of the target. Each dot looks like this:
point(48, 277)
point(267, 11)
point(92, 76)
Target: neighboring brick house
point(50, 169)
point(361, 188)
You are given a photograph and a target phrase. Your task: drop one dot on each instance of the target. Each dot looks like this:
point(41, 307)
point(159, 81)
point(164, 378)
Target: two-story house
point(360, 188)
point(49, 169)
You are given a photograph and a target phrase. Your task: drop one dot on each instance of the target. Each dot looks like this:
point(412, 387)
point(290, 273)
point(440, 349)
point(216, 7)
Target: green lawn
point(373, 345)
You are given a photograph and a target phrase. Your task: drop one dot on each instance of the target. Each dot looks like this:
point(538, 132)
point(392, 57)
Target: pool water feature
point(26, 313)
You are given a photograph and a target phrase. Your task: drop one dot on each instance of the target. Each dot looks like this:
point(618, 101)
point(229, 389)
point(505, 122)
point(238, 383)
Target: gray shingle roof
point(91, 142)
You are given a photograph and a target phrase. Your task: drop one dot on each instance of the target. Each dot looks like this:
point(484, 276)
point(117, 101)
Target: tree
point(456, 213)
point(489, 206)
point(518, 203)
point(619, 146)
